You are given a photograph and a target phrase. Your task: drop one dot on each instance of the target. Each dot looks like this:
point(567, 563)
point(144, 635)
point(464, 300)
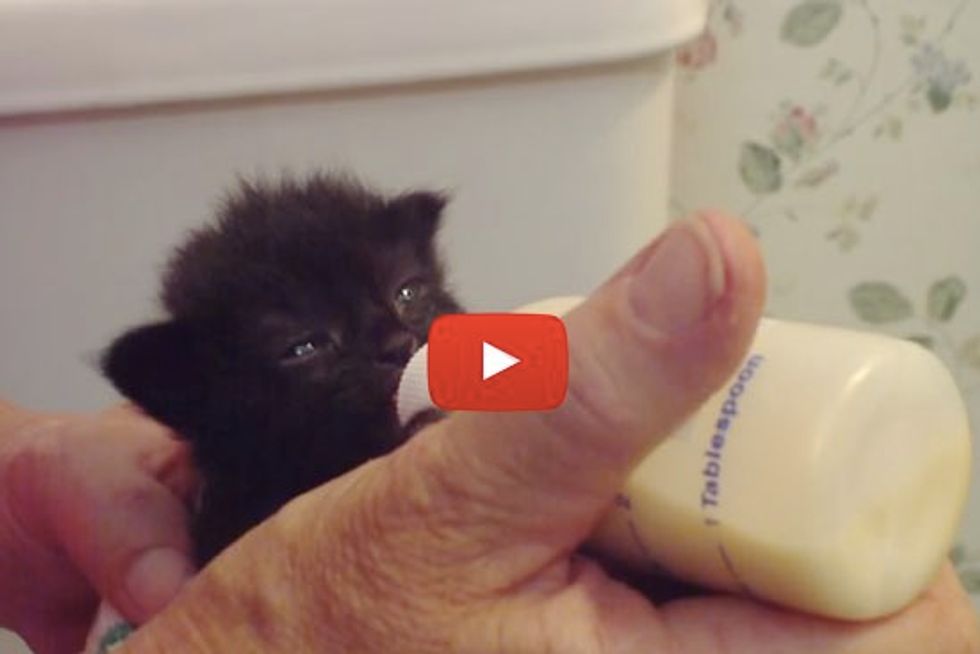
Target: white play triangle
point(495, 361)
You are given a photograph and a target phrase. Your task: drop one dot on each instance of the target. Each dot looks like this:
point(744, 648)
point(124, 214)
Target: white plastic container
point(122, 123)
point(829, 475)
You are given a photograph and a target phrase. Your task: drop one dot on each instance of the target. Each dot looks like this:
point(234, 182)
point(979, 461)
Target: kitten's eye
point(409, 292)
point(301, 350)
point(306, 348)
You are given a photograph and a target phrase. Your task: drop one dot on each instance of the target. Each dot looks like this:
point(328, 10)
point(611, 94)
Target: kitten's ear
point(419, 213)
point(159, 368)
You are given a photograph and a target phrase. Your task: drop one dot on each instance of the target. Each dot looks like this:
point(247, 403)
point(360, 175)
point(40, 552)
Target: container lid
point(58, 55)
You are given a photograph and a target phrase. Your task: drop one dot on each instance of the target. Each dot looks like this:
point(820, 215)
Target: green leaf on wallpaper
point(891, 127)
point(939, 98)
point(925, 341)
point(970, 580)
point(846, 236)
point(879, 302)
point(958, 554)
point(830, 68)
point(809, 22)
point(760, 168)
point(912, 28)
point(867, 207)
point(945, 296)
point(970, 352)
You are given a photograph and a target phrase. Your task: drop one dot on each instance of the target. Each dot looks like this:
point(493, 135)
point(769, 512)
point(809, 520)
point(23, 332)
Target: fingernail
point(155, 578)
point(682, 278)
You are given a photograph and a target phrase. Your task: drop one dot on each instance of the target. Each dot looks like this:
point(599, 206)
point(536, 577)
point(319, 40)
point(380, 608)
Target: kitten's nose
point(398, 348)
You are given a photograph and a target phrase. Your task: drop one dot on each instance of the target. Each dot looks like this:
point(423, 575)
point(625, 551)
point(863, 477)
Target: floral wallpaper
point(847, 133)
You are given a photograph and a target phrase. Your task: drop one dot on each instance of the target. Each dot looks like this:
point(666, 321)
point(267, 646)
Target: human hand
point(464, 539)
point(90, 506)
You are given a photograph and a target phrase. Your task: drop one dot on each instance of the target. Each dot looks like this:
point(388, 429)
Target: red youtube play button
point(498, 362)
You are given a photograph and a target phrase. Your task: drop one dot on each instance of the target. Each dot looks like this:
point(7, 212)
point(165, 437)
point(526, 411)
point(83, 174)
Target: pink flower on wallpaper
point(698, 53)
point(796, 131)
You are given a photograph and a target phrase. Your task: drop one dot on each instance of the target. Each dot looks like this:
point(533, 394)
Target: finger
point(645, 350)
point(940, 622)
point(172, 466)
point(108, 496)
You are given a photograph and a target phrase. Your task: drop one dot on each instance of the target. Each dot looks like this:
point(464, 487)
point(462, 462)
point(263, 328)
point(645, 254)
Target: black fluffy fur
point(288, 328)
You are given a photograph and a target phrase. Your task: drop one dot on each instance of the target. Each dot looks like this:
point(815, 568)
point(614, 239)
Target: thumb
point(645, 350)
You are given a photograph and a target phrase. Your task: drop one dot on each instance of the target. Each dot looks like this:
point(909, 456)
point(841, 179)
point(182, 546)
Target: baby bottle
point(828, 475)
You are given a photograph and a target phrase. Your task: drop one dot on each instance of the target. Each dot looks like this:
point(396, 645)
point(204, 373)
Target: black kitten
point(290, 321)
